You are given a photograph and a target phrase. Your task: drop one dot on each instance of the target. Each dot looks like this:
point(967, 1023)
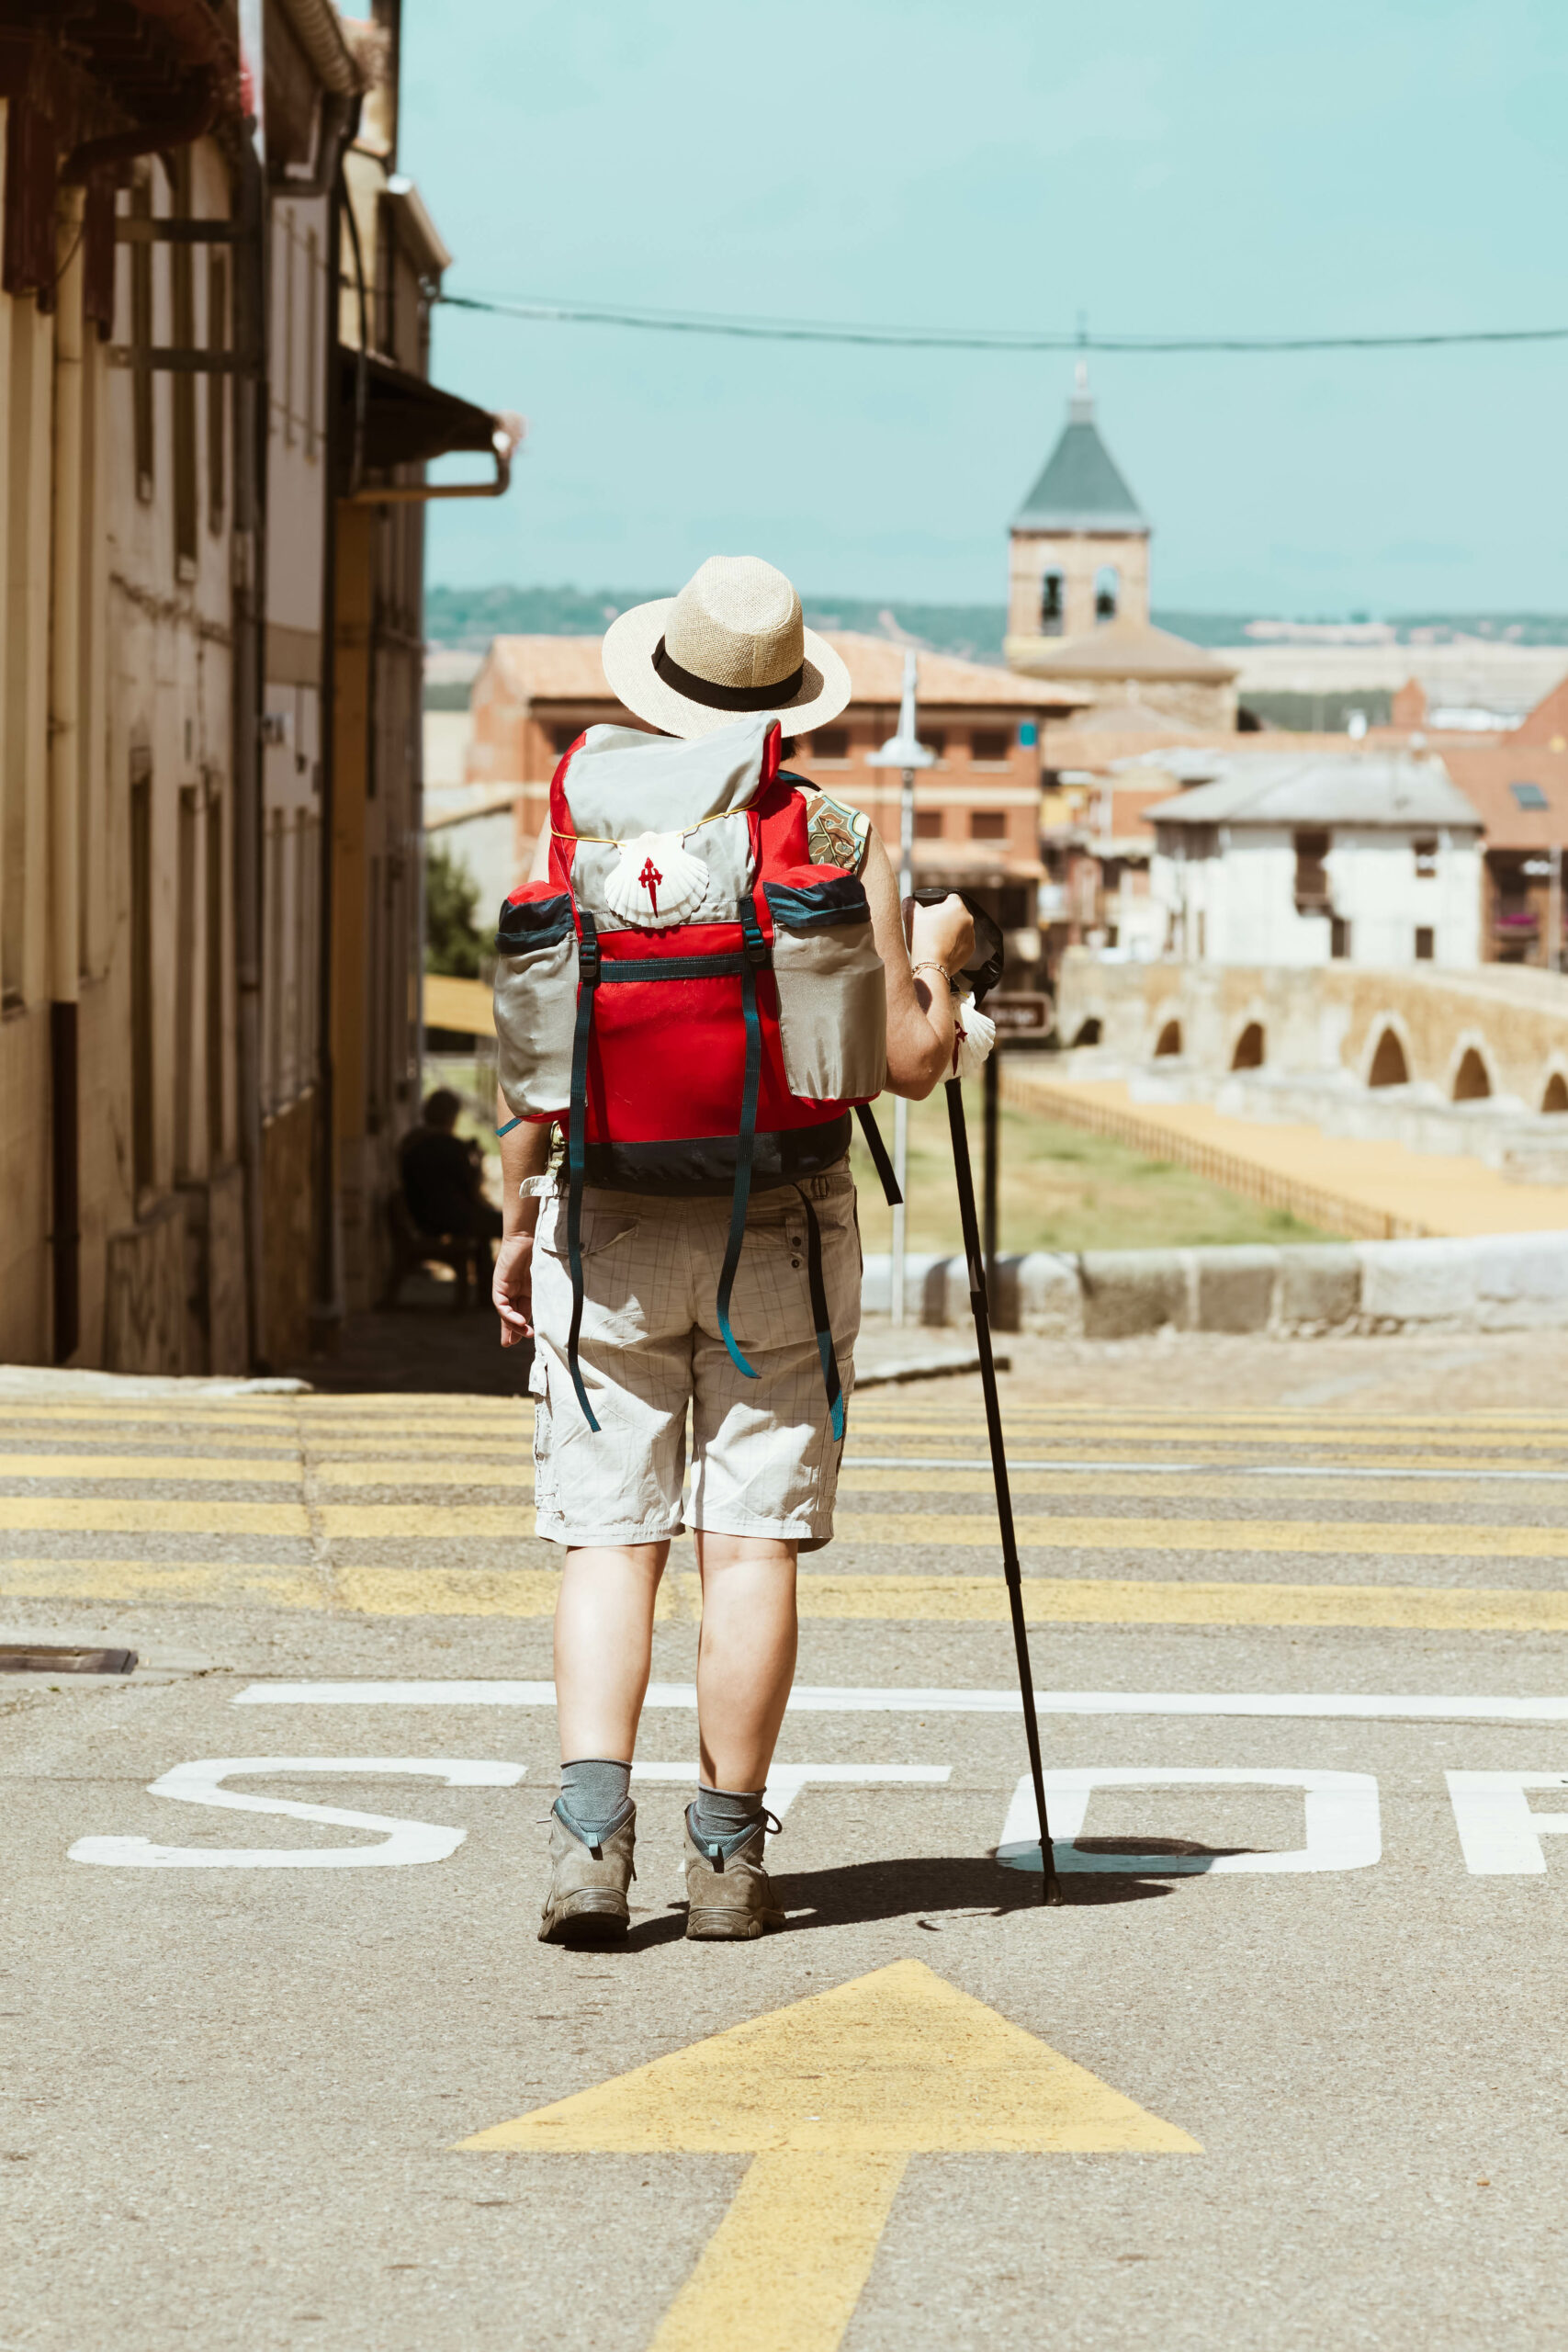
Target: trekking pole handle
point(984, 969)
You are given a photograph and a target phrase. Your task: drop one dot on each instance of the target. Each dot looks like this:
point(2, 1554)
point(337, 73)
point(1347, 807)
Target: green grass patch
point(1061, 1188)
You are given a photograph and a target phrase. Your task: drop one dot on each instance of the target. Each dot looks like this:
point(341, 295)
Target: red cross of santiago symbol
point(650, 878)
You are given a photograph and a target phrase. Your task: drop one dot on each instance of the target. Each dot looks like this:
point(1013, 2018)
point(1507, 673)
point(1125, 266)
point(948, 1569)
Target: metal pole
point(1051, 1885)
point(1554, 913)
point(991, 1163)
point(900, 1107)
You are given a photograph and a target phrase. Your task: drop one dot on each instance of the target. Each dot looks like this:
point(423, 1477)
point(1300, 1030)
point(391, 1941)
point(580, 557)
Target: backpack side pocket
point(832, 990)
point(535, 1002)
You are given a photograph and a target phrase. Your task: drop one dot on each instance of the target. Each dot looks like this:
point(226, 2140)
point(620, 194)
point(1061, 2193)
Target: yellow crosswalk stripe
point(404, 1472)
point(1345, 1537)
point(100, 1515)
point(208, 1581)
point(378, 1522)
point(1198, 1486)
point(1082, 1600)
point(234, 1469)
point(530, 1592)
point(473, 1592)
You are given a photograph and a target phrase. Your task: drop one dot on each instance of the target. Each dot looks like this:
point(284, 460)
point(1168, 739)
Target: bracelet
point(929, 964)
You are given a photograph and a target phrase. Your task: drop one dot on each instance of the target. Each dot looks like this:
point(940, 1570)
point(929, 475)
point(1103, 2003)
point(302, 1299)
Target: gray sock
point(595, 1798)
point(725, 1817)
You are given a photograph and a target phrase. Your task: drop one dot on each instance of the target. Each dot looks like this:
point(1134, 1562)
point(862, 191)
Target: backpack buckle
point(754, 946)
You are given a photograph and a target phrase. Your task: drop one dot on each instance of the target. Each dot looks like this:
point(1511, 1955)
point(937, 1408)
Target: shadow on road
point(924, 1888)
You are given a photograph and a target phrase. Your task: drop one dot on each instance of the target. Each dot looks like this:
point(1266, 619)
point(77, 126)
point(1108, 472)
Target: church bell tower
point(1079, 542)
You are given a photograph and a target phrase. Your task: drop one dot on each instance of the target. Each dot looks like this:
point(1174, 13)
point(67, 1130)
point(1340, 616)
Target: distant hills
point(465, 619)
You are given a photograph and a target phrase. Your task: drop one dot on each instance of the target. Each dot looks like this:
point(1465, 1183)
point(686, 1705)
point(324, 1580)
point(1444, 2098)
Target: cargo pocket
point(535, 1002)
point(833, 990)
point(602, 1229)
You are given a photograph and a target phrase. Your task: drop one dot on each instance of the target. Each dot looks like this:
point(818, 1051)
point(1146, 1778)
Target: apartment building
point(189, 531)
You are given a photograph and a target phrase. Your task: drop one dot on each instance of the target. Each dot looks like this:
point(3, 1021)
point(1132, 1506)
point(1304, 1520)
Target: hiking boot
point(587, 1901)
point(730, 1895)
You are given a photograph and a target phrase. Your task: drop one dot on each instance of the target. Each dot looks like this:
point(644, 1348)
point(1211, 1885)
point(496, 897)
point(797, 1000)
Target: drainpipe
point(64, 786)
point(251, 411)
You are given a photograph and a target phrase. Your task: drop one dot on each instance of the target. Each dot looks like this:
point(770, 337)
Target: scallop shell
point(976, 1036)
point(655, 882)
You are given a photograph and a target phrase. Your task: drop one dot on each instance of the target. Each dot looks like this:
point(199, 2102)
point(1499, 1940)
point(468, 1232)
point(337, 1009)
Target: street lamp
point(903, 751)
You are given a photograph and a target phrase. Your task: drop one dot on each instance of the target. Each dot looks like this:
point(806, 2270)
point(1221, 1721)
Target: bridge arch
point(1250, 1051)
point(1389, 1065)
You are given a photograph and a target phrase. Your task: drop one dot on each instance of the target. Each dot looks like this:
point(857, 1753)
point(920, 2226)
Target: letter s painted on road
point(200, 1783)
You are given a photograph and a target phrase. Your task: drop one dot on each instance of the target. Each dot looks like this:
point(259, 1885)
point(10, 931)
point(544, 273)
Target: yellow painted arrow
point(831, 2097)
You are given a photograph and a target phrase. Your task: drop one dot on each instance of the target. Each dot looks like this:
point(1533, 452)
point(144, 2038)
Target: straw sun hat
point(733, 640)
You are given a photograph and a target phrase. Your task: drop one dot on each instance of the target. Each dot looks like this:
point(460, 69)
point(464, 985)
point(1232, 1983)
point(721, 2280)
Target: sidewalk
point(1372, 1191)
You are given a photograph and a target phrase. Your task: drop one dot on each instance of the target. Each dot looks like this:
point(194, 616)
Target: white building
point(1307, 858)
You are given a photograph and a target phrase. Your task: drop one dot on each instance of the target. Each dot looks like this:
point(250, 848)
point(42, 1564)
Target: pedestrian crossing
point(400, 1506)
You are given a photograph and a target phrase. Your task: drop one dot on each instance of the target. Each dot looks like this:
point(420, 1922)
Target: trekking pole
point(982, 976)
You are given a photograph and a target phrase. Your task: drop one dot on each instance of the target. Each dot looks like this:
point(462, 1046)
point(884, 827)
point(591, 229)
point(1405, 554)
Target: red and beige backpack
point(698, 1004)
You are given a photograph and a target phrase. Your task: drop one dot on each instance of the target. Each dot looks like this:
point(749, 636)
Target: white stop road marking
point(1343, 1832)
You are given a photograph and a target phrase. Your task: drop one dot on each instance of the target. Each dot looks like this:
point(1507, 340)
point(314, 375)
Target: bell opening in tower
point(1106, 592)
point(1051, 605)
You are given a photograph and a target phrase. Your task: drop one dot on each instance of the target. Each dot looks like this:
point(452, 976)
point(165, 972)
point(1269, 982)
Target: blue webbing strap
point(577, 1144)
point(755, 948)
point(506, 1130)
point(820, 1317)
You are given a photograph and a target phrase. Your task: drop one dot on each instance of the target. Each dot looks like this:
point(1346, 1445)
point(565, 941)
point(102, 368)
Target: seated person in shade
point(441, 1175)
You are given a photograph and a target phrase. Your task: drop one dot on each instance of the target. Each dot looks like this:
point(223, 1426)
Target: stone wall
point(1498, 1283)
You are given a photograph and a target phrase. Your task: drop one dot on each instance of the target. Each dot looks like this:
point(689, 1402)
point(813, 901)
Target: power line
point(895, 338)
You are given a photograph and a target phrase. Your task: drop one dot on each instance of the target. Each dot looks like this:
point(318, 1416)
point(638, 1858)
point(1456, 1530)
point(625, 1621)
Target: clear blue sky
point(1225, 165)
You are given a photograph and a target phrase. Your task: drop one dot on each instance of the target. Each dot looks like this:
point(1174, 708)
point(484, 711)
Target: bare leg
point(604, 1647)
point(745, 1655)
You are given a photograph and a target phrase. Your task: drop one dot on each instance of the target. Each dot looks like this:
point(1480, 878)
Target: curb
point(1495, 1282)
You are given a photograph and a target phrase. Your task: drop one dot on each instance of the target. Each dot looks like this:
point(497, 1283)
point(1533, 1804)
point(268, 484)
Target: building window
point(141, 340)
point(216, 390)
point(1426, 942)
point(1426, 858)
point(1106, 592)
point(928, 824)
point(1339, 939)
point(1312, 874)
point(831, 743)
point(987, 824)
point(1555, 1099)
point(141, 1058)
point(1249, 1048)
point(563, 736)
point(935, 741)
point(1169, 1043)
point(1527, 795)
point(989, 746)
point(182, 387)
point(1052, 587)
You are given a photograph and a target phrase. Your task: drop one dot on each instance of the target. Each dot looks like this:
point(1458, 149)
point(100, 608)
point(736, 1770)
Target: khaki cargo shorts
point(764, 1459)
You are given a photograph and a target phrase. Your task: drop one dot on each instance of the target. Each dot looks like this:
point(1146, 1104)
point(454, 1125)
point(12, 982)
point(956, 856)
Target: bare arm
point(919, 1015)
point(524, 1152)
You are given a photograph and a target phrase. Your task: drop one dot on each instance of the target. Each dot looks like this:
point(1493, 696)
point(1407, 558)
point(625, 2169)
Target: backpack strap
point(576, 1143)
point(878, 1151)
point(754, 959)
point(819, 1315)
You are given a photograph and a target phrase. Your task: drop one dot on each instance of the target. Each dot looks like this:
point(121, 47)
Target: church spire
point(1080, 408)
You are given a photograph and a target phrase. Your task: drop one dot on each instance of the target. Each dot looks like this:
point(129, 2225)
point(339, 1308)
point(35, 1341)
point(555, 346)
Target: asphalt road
point(1315, 1981)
